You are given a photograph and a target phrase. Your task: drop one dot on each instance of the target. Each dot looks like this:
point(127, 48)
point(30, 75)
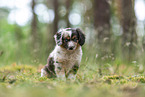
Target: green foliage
point(16, 45)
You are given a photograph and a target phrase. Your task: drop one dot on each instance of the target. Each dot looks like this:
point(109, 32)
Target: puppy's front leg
point(72, 73)
point(60, 71)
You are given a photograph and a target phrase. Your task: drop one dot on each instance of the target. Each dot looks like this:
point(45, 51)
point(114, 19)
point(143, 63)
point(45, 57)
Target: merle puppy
point(64, 61)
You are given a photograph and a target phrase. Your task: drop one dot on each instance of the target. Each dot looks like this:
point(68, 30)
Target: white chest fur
point(67, 58)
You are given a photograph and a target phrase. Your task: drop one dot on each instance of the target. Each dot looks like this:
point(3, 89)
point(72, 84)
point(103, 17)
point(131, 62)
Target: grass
point(25, 81)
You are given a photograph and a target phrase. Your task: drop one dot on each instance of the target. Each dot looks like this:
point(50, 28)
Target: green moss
point(18, 68)
point(113, 77)
point(138, 78)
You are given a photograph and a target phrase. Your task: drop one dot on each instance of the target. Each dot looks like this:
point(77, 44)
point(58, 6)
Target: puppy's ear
point(81, 36)
point(58, 38)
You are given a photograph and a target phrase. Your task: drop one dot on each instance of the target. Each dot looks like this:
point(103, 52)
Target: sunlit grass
point(25, 80)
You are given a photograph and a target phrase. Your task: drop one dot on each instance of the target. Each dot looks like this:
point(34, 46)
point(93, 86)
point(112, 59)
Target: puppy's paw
point(61, 77)
point(71, 76)
point(43, 73)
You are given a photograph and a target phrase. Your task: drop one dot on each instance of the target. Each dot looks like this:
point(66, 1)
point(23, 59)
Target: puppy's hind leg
point(48, 70)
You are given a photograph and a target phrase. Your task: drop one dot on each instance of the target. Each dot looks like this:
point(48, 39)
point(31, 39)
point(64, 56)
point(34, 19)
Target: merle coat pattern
point(64, 61)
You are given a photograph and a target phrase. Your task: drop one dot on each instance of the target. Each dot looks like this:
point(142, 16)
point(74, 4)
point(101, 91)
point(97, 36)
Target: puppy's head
point(69, 38)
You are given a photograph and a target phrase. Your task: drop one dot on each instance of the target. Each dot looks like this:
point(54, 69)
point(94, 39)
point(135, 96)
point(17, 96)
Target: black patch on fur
point(59, 68)
point(81, 37)
point(50, 68)
point(64, 43)
point(58, 38)
point(73, 70)
point(74, 34)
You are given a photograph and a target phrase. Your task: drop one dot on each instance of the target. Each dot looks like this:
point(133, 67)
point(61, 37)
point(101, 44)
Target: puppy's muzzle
point(71, 47)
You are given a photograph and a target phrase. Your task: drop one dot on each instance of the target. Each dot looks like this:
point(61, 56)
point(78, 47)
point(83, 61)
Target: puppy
point(64, 61)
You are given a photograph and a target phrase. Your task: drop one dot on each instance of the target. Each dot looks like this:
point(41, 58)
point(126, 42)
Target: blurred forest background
point(113, 62)
point(114, 29)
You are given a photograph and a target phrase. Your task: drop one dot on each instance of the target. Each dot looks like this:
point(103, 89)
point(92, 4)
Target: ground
point(19, 80)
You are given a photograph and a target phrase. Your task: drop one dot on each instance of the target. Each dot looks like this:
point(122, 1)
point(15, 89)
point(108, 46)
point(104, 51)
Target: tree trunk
point(56, 19)
point(68, 5)
point(102, 20)
point(102, 27)
point(128, 22)
point(34, 29)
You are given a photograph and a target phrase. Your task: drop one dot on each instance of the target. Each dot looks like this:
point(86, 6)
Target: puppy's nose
point(71, 48)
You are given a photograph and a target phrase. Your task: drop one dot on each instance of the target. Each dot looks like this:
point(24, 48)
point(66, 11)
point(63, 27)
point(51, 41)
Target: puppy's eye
point(66, 40)
point(75, 40)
